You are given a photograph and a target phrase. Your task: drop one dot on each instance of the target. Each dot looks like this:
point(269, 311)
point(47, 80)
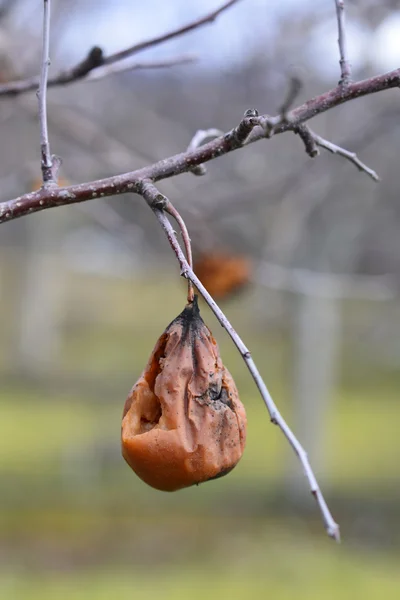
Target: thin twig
point(150, 194)
point(271, 124)
point(46, 162)
point(79, 72)
point(308, 139)
point(125, 66)
point(161, 202)
point(201, 136)
point(91, 70)
point(95, 59)
point(155, 41)
point(197, 140)
point(216, 206)
point(345, 67)
point(351, 156)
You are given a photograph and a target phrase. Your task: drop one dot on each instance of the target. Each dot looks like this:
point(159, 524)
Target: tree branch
point(304, 133)
point(151, 195)
point(345, 68)
point(186, 161)
point(155, 41)
point(85, 72)
point(46, 162)
point(87, 68)
point(123, 67)
point(351, 156)
point(161, 202)
point(338, 95)
point(311, 140)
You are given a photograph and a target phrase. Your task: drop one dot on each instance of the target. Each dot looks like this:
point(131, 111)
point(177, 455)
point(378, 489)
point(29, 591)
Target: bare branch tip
point(345, 67)
point(350, 156)
point(334, 533)
point(46, 161)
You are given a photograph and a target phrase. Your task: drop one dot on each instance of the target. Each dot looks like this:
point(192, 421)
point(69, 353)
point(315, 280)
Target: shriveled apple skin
point(183, 422)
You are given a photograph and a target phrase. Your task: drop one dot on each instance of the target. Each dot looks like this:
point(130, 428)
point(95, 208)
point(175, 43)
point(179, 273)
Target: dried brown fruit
point(223, 274)
point(183, 422)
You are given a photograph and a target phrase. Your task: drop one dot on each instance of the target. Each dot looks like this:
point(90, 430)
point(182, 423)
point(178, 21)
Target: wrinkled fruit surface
point(183, 422)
